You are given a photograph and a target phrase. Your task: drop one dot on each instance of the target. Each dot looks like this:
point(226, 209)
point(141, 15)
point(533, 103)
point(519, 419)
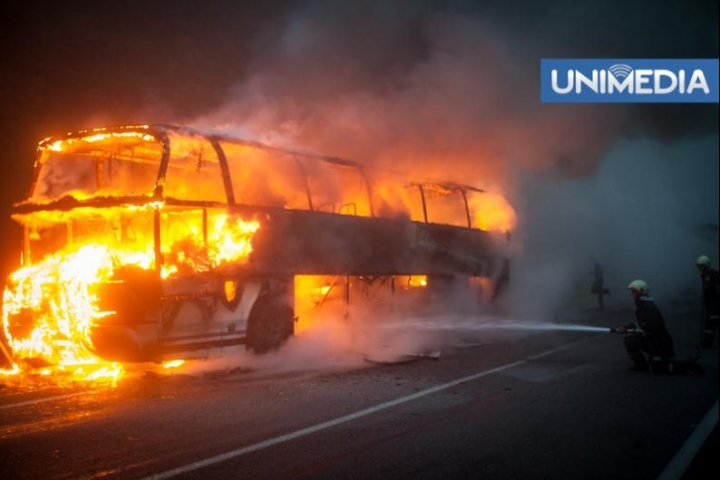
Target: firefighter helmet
point(703, 261)
point(639, 286)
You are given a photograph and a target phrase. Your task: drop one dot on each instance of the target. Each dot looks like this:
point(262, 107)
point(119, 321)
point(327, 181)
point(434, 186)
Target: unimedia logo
point(628, 81)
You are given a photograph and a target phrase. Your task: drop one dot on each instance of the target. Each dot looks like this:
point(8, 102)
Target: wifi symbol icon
point(620, 70)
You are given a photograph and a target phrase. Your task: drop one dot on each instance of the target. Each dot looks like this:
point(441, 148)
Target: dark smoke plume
point(453, 86)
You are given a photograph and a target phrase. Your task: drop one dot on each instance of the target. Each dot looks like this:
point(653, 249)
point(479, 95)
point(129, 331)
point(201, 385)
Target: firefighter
point(710, 295)
point(647, 341)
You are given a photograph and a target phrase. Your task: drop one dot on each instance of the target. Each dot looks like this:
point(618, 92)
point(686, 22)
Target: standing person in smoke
point(598, 286)
point(710, 296)
point(647, 342)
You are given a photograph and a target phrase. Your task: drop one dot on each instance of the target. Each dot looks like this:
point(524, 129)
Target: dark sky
point(72, 64)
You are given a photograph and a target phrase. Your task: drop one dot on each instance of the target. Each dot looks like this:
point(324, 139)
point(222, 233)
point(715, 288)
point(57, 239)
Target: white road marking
point(41, 400)
point(347, 418)
point(681, 461)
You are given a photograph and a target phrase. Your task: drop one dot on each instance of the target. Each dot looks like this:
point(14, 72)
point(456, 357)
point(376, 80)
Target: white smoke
point(648, 213)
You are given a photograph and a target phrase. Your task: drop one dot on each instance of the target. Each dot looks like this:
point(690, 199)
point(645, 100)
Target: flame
point(493, 213)
point(173, 364)
point(10, 371)
point(311, 291)
point(57, 294)
point(49, 308)
point(230, 242)
point(62, 145)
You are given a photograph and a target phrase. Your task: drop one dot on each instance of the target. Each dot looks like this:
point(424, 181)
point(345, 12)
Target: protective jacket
point(648, 318)
point(651, 335)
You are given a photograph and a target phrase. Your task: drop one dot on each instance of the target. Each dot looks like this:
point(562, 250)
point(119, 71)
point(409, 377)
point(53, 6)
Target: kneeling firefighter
point(647, 341)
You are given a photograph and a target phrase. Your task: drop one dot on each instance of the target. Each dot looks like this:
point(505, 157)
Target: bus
point(143, 241)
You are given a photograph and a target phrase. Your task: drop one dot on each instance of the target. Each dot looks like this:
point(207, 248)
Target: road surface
point(535, 405)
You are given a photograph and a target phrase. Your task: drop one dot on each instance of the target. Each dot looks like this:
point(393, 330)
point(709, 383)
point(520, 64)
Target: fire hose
point(623, 330)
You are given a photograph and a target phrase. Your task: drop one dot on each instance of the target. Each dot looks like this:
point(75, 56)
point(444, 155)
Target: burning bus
point(144, 241)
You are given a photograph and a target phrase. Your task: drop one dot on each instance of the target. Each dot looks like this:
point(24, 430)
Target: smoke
point(446, 90)
point(650, 210)
point(450, 90)
point(333, 342)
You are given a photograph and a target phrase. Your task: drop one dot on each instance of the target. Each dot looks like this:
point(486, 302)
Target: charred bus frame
point(349, 245)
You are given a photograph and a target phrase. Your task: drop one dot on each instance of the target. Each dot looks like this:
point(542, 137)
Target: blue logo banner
point(629, 80)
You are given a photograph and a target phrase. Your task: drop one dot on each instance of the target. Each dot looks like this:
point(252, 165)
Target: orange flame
point(49, 308)
point(493, 213)
point(10, 371)
point(173, 364)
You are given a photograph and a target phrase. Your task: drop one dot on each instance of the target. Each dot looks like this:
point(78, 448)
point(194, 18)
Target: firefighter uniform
point(710, 297)
point(650, 345)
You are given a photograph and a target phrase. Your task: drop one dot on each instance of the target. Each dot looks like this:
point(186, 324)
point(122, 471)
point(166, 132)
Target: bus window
point(337, 188)
point(105, 165)
point(194, 171)
point(445, 206)
point(265, 177)
point(415, 203)
point(491, 212)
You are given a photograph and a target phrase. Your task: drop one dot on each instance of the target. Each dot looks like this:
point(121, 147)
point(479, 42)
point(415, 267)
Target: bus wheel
point(270, 323)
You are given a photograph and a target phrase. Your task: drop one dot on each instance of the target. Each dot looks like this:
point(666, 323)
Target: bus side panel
point(312, 243)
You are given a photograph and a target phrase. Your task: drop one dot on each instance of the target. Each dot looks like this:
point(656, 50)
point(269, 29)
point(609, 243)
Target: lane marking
point(348, 418)
point(42, 400)
point(681, 461)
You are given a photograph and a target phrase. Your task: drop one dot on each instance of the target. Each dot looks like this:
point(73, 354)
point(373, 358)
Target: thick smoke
point(451, 91)
point(648, 213)
point(441, 95)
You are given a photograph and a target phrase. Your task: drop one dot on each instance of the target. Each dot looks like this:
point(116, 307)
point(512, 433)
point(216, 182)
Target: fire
point(417, 281)
point(109, 201)
point(50, 307)
point(56, 292)
point(56, 296)
point(311, 292)
point(230, 242)
point(62, 145)
point(173, 364)
point(10, 371)
point(493, 213)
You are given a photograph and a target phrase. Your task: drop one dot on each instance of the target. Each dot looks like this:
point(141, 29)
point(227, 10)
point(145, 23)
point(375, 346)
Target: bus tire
point(270, 323)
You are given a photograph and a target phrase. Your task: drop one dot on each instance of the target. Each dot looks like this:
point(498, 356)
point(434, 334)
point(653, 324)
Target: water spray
point(479, 324)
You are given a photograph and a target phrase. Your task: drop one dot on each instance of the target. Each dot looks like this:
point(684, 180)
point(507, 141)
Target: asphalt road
point(540, 405)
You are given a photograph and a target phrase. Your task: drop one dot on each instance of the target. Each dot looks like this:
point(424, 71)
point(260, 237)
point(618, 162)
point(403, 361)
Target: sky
point(448, 87)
